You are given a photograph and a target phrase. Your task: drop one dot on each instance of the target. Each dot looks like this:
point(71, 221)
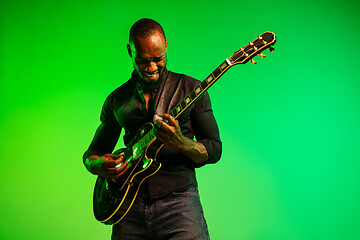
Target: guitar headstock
point(246, 53)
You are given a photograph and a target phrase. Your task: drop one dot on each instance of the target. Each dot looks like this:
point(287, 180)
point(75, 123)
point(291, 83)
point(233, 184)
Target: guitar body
point(113, 199)
point(111, 204)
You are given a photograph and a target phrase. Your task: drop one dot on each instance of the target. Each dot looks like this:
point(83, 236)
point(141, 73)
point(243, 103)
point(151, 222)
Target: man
point(167, 205)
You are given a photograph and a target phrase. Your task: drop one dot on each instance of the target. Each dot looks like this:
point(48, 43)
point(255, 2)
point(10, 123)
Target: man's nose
point(151, 67)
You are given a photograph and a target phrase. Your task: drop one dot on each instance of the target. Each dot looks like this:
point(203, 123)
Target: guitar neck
point(241, 56)
point(200, 89)
point(186, 102)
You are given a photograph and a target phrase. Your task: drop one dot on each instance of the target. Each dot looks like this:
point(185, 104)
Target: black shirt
point(126, 108)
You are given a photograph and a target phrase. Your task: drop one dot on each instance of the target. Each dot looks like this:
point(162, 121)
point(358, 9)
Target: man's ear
point(129, 50)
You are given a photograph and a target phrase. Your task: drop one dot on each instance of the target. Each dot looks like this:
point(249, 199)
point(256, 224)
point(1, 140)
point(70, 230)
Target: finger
point(108, 155)
point(163, 125)
point(172, 123)
point(116, 170)
point(171, 120)
point(123, 172)
point(166, 116)
point(107, 158)
point(167, 120)
point(112, 172)
point(119, 159)
point(121, 165)
point(110, 163)
point(116, 156)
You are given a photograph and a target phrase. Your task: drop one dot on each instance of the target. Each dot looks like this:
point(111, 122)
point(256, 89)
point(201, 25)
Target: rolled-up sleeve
point(206, 130)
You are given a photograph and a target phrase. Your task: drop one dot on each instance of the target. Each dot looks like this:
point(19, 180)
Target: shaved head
point(144, 28)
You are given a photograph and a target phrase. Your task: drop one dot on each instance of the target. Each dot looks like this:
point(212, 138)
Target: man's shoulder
point(123, 88)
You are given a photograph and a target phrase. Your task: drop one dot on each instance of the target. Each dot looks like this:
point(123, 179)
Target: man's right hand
point(106, 165)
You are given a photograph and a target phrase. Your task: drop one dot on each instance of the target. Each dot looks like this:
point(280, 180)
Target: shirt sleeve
point(107, 134)
point(205, 129)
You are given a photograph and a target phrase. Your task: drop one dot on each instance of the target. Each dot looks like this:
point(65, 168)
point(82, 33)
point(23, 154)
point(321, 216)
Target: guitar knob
point(271, 49)
point(262, 55)
point(253, 61)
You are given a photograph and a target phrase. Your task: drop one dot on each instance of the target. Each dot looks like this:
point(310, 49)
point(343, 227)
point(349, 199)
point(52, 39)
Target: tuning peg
point(262, 55)
point(271, 49)
point(253, 61)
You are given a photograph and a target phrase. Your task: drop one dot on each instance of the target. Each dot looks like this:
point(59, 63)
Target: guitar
point(113, 199)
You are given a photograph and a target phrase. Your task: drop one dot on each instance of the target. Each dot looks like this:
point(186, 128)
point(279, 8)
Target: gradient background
point(289, 125)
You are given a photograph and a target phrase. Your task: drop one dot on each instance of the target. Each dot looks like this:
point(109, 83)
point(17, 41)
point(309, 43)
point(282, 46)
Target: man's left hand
point(170, 133)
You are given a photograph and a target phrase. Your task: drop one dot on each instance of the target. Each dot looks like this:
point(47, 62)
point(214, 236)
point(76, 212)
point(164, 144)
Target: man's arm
point(170, 134)
point(97, 159)
point(208, 147)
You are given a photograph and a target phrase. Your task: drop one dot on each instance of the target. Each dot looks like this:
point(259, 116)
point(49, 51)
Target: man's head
point(147, 49)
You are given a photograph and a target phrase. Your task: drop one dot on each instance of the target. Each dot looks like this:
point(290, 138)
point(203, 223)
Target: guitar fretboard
point(139, 146)
point(243, 55)
point(200, 89)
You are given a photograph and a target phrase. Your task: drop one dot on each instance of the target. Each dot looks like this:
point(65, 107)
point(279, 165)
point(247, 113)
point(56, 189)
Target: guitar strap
point(168, 95)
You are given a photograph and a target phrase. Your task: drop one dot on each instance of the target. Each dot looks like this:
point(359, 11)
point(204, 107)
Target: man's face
point(149, 56)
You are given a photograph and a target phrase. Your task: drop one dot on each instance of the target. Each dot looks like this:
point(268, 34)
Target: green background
point(289, 124)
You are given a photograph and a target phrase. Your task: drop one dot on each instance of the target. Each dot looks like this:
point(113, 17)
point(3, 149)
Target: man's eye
point(143, 61)
point(158, 59)
point(147, 61)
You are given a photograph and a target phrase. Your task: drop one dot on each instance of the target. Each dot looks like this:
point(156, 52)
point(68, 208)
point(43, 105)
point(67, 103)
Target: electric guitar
point(113, 199)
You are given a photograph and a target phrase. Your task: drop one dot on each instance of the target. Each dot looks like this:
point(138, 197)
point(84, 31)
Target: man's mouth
point(150, 75)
